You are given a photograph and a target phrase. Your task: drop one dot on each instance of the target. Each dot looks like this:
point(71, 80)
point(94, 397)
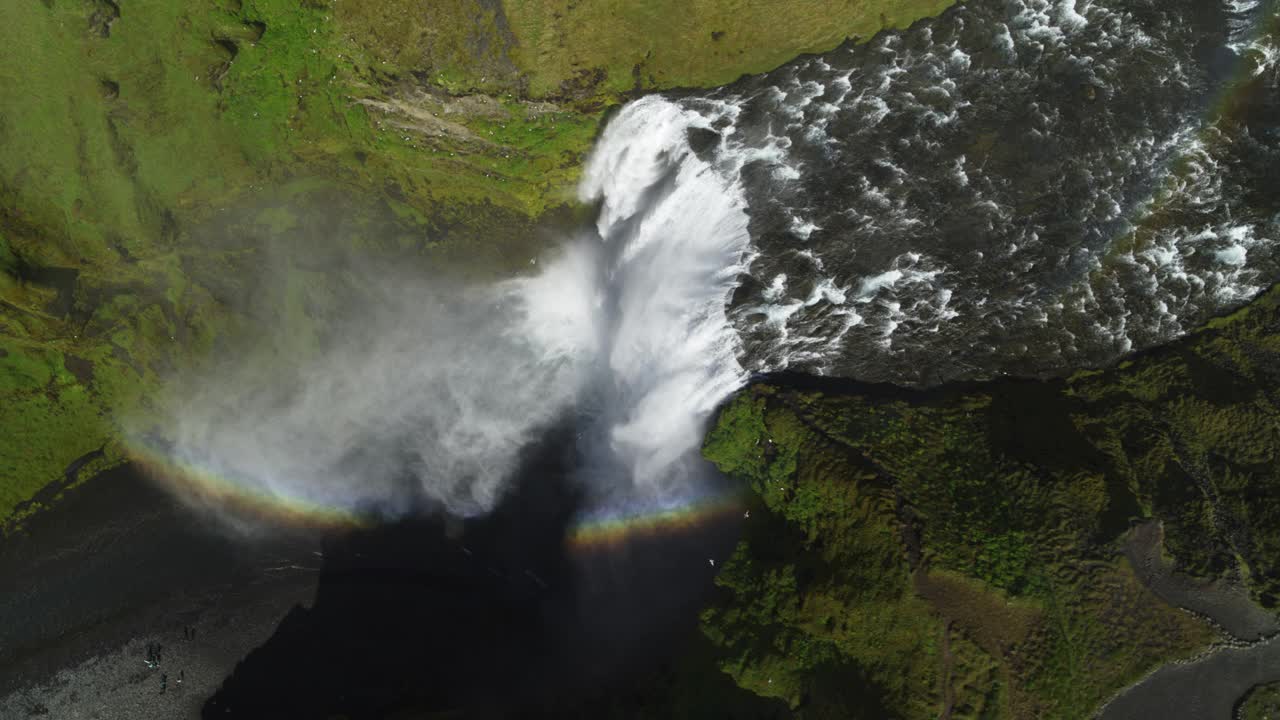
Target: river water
point(1022, 186)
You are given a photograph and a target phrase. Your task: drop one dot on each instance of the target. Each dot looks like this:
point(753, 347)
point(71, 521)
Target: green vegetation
point(935, 568)
point(1262, 703)
point(568, 47)
point(127, 132)
point(589, 53)
point(957, 552)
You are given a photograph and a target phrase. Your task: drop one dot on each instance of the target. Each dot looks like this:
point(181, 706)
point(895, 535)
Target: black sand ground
point(420, 616)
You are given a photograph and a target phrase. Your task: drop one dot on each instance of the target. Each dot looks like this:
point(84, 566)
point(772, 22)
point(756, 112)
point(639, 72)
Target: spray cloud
point(434, 392)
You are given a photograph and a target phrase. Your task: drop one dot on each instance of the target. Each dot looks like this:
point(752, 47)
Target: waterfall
point(674, 235)
point(435, 391)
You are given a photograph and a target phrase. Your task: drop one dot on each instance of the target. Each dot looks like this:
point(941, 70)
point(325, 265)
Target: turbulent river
point(1014, 187)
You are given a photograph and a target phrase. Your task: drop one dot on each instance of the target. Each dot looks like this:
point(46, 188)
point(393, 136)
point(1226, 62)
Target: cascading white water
point(436, 393)
point(641, 304)
point(675, 235)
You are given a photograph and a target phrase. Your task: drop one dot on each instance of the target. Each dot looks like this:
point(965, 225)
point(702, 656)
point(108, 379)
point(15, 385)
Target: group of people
point(154, 654)
point(164, 679)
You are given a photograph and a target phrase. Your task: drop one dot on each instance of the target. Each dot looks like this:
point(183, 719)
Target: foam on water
point(1016, 148)
point(670, 354)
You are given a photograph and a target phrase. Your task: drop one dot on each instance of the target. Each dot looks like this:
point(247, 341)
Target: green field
point(617, 46)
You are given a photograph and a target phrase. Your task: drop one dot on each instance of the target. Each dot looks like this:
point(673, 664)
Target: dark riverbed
point(1209, 687)
point(1226, 603)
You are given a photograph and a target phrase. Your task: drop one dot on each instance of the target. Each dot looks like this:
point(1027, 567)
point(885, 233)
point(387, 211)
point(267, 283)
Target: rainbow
point(605, 530)
point(599, 529)
point(210, 489)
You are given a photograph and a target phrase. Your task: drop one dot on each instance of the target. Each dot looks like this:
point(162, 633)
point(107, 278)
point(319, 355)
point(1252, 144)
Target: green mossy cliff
point(958, 551)
point(165, 161)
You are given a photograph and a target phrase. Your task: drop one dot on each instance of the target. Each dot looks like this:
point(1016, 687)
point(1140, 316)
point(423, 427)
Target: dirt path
point(1210, 686)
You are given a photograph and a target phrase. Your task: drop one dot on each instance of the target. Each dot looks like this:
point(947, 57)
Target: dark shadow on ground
point(489, 617)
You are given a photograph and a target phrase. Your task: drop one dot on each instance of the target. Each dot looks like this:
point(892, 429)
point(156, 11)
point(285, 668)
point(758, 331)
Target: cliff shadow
point(489, 617)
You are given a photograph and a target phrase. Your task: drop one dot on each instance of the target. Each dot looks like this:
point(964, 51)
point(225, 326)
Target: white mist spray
point(435, 394)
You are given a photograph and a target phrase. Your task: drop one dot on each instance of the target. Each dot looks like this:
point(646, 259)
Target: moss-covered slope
point(957, 552)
